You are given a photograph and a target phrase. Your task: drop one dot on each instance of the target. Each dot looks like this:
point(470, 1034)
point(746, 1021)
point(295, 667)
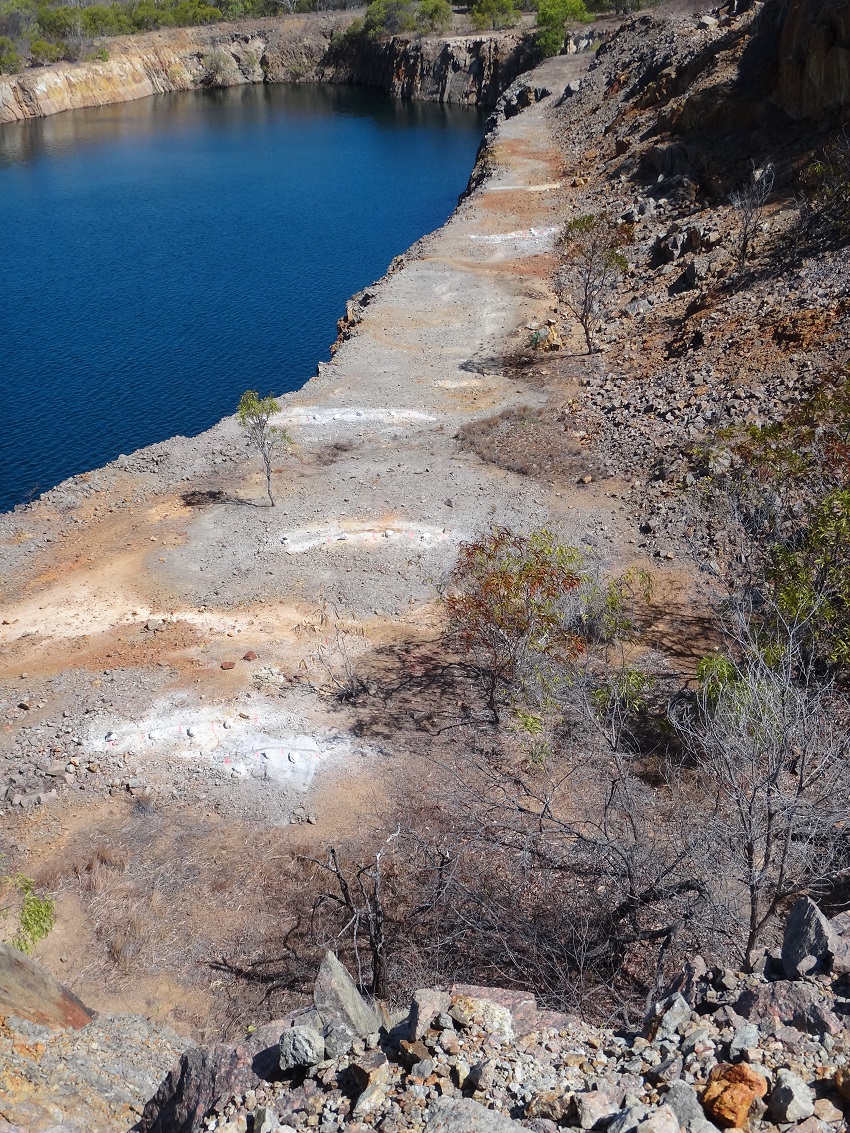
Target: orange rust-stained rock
point(730, 1093)
point(30, 992)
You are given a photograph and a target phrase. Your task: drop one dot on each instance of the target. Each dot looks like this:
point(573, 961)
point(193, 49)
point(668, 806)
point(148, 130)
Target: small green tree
point(255, 414)
point(434, 16)
point(504, 605)
point(593, 264)
point(389, 17)
point(552, 19)
point(493, 14)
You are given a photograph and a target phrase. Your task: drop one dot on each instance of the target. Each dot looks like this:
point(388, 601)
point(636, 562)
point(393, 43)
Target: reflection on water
point(163, 255)
point(196, 111)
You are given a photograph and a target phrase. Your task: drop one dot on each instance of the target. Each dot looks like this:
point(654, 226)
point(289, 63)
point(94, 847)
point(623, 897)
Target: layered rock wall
point(285, 50)
point(814, 58)
point(465, 70)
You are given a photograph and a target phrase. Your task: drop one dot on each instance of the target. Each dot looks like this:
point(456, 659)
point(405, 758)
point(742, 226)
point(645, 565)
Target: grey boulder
point(462, 1115)
point(791, 1100)
point(426, 1005)
point(808, 945)
point(301, 1046)
point(344, 1012)
point(684, 1101)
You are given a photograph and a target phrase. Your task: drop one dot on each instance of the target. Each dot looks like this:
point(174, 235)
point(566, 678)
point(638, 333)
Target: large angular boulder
point(668, 1017)
point(791, 1100)
point(30, 992)
point(800, 1005)
point(491, 1017)
point(840, 927)
point(808, 946)
point(683, 1100)
point(301, 1046)
point(344, 1012)
point(426, 1005)
point(204, 1074)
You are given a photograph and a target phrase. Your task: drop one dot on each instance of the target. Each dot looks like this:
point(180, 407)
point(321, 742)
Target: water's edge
point(461, 70)
point(180, 457)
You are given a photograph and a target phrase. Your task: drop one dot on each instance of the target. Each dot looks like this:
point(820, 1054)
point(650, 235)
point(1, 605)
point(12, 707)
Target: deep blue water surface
point(161, 256)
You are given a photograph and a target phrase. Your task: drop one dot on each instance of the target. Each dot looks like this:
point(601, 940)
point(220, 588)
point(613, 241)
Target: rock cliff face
point(471, 71)
point(285, 50)
point(814, 58)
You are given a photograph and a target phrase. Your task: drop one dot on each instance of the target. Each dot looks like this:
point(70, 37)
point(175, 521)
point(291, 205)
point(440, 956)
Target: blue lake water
point(161, 256)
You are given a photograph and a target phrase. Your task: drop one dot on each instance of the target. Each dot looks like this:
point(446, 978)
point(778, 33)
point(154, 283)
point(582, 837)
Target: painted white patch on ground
point(525, 188)
point(521, 237)
point(78, 610)
point(312, 415)
point(255, 740)
point(309, 538)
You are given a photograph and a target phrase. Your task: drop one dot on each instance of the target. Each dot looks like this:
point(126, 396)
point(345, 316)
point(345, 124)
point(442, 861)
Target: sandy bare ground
point(120, 601)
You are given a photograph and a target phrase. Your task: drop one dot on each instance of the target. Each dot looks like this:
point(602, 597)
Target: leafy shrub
point(552, 18)
point(58, 23)
point(42, 52)
point(103, 19)
point(10, 60)
point(35, 915)
point(831, 178)
point(493, 14)
point(434, 16)
point(389, 17)
point(215, 69)
point(504, 605)
point(355, 30)
point(192, 12)
point(147, 16)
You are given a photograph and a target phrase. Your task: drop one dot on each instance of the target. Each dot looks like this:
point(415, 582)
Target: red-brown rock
point(730, 1093)
point(228, 664)
point(30, 992)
